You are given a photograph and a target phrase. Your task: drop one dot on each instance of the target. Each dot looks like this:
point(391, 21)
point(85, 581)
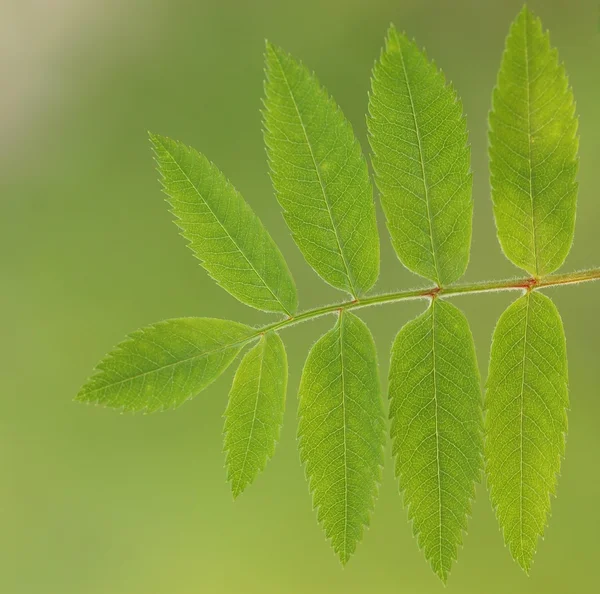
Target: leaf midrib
point(344, 423)
point(521, 419)
point(193, 185)
point(321, 183)
point(422, 164)
point(254, 414)
point(437, 434)
point(529, 153)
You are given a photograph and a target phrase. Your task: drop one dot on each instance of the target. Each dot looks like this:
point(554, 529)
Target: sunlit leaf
point(533, 151)
point(255, 411)
point(320, 176)
point(437, 427)
point(223, 232)
point(526, 419)
point(341, 431)
point(421, 158)
point(163, 365)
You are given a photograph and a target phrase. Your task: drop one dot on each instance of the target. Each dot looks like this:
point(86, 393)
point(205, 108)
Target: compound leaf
point(526, 419)
point(421, 159)
point(223, 232)
point(254, 414)
point(162, 365)
point(437, 427)
point(533, 151)
point(320, 176)
point(341, 431)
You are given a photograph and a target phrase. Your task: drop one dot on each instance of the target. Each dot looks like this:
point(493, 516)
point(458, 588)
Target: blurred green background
point(93, 502)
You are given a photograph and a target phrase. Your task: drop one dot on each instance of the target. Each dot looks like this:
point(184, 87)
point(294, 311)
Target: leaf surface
point(223, 232)
point(533, 151)
point(341, 431)
point(437, 427)
point(254, 414)
point(320, 176)
point(526, 419)
point(422, 161)
point(163, 365)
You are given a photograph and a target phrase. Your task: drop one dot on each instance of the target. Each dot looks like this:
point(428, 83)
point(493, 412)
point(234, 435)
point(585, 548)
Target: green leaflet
point(161, 366)
point(533, 151)
point(341, 430)
point(526, 419)
point(421, 160)
point(320, 176)
point(224, 233)
point(437, 427)
point(254, 414)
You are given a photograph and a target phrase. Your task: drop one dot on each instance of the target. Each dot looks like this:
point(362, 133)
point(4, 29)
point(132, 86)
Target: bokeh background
point(93, 502)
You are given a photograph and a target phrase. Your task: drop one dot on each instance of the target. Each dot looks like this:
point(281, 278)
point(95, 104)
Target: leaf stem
point(511, 284)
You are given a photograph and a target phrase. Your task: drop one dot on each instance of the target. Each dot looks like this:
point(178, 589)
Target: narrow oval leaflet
point(526, 419)
point(437, 428)
point(223, 232)
point(163, 365)
point(320, 176)
point(421, 158)
point(341, 431)
point(533, 151)
point(254, 414)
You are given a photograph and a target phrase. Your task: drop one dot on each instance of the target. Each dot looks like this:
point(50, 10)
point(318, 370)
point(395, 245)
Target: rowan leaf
point(421, 159)
point(341, 431)
point(320, 176)
point(526, 419)
point(533, 151)
point(223, 232)
point(254, 415)
point(437, 428)
point(163, 365)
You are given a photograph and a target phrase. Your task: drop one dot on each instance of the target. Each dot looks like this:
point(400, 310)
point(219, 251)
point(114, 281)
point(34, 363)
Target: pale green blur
point(92, 502)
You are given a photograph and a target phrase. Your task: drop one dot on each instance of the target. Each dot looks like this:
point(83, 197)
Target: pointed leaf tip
point(156, 140)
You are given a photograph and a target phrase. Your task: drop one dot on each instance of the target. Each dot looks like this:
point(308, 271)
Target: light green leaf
point(254, 414)
point(162, 365)
point(223, 232)
point(421, 159)
point(533, 151)
point(341, 431)
point(437, 427)
point(526, 419)
point(320, 176)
